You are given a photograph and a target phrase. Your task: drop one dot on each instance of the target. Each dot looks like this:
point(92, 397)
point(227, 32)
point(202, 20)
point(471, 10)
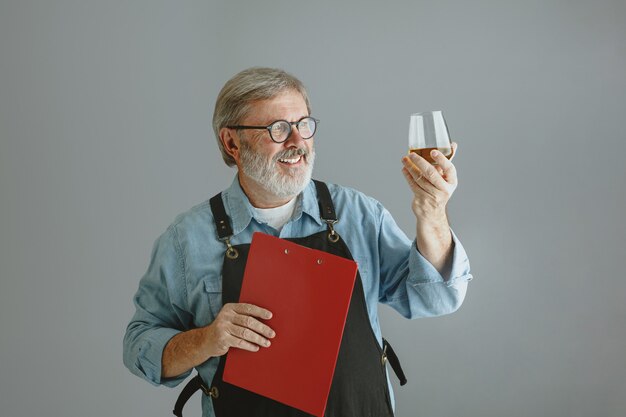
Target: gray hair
point(257, 83)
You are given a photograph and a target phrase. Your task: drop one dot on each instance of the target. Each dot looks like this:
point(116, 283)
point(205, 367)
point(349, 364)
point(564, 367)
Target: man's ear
point(230, 141)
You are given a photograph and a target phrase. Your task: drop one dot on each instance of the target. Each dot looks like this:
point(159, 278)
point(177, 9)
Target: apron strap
point(391, 356)
point(327, 208)
point(192, 386)
point(222, 224)
point(222, 221)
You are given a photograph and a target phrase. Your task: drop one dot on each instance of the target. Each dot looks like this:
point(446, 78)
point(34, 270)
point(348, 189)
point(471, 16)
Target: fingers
point(446, 168)
point(248, 322)
point(454, 146)
point(251, 310)
point(247, 339)
point(410, 180)
point(423, 173)
point(442, 165)
point(238, 325)
point(416, 181)
point(432, 185)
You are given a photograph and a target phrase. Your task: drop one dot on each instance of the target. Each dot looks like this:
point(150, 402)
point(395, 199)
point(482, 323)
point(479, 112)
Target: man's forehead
point(286, 105)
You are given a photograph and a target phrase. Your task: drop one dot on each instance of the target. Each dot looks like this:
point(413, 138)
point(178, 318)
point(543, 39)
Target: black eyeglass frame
point(269, 128)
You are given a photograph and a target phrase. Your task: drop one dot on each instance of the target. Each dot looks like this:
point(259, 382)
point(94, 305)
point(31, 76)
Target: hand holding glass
point(428, 131)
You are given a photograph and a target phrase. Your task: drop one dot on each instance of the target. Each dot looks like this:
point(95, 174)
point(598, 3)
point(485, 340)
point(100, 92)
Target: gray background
point(105, 136)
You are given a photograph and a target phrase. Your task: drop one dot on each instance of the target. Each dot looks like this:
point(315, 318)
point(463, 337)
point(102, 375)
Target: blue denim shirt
point(181, 289)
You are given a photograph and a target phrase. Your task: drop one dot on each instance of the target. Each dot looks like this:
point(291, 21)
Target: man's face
point(282, 169)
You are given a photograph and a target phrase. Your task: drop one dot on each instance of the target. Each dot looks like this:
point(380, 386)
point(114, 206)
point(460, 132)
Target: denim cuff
point(458, 270)
point(149, 359)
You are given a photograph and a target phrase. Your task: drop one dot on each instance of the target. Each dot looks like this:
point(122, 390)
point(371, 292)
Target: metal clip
point(332, 235)
point(383, 358)
point(213, 392)
point(231, 252)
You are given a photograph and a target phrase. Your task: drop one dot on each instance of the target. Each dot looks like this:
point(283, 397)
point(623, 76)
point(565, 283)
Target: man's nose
point(294, 138)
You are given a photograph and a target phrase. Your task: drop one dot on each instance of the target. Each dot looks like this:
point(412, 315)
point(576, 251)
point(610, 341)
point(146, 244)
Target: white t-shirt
point(276, 217)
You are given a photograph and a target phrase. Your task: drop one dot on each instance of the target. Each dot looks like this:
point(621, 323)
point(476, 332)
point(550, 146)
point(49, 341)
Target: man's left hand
point(432, 185)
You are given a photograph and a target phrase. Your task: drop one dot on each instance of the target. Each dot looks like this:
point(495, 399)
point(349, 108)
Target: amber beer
point(425, 153)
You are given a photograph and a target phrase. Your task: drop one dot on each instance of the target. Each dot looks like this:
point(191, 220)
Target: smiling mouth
point(290, 161)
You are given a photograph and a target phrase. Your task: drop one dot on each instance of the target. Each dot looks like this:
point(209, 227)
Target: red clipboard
point(308, 291)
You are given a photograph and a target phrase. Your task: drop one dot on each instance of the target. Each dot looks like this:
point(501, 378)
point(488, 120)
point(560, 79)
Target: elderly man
point(187, 311)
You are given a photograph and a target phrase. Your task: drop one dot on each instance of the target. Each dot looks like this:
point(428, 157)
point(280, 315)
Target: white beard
point(268, 175)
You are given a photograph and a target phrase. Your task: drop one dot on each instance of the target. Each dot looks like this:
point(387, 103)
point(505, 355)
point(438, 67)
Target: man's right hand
point(238, 325)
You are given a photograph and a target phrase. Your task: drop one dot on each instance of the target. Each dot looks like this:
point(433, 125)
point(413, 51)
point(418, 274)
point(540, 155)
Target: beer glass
point(428, 131)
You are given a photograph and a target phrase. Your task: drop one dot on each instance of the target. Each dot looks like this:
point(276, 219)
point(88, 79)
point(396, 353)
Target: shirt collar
point(241, 211)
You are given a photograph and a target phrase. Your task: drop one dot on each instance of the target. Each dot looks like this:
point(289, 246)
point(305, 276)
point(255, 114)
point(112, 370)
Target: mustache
point(291, 153)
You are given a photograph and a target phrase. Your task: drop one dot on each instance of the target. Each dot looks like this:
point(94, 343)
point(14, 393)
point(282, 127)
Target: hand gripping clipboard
point(308, 291)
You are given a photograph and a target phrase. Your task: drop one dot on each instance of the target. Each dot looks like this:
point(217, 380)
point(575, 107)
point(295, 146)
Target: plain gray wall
point(105, 136)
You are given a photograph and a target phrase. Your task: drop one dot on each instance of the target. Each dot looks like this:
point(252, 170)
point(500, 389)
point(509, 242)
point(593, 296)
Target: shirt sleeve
point(160, 312)
point(410, 284)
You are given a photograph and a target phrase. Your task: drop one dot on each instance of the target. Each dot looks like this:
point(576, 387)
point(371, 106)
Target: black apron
point(359, 386)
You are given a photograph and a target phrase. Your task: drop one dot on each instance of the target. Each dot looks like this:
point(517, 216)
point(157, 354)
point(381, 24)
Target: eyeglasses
point(280, 130)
